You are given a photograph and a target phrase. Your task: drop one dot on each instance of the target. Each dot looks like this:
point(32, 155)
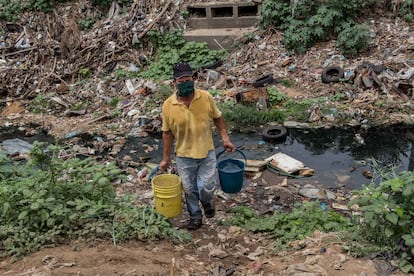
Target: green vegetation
point(10, 9)
point(86, 23)
point(240, 116)
point(79, 105)
point(171, 49)
point(308, 22)
point(49, 200)
point(281, 107)
point(297, 224)
point(383, 225)
point(40, 104)
point(354, 39)
point(122, 74)
point(388, 215)
point(286, 83)
point(84, 72)
point(407, 10)
point(276, 97)
point(215, 92)
point(114, 102)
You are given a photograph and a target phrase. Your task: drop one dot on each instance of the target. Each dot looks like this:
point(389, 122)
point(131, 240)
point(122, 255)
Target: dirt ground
point(164, 258)
point(216, 249)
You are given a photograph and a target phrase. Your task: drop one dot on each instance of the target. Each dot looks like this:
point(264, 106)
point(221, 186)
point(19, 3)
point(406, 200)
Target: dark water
point(7, 133)
point(336, 155)
point(338, 158)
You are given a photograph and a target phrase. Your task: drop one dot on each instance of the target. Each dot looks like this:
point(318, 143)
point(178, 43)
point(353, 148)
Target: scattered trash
point(16, 146)
point(316, 193)
point(285, 163)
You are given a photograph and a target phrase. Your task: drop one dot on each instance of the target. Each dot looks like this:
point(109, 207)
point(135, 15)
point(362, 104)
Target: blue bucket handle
point(153, 172)
point(239, 151)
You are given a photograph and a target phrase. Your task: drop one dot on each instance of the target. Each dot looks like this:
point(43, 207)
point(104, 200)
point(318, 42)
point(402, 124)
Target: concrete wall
point(223, 15)
point(220, 24)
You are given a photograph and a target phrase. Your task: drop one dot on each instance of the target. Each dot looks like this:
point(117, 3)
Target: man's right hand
point(164, 165)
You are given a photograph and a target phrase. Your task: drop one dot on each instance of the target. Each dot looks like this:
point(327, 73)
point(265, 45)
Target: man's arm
point(222, 129)
point(167, 141)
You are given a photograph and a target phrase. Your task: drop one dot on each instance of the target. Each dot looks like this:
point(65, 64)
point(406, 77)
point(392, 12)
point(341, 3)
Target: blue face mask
point(185, 89)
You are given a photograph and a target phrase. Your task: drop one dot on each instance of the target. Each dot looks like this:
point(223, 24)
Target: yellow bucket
point(167, 194)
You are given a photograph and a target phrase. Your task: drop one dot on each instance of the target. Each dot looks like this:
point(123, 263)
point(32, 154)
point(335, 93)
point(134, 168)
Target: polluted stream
point(340, 158)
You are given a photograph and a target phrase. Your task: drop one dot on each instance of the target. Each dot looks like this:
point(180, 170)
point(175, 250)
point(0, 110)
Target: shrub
point(407, 10)
point(48, 200)
point(307, 22)
point(172, 48)
point(354, 39)
point(388, 215)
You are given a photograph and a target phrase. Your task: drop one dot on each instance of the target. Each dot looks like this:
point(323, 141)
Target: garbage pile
point(44, 53)
point(387, 67)
point(49, 54)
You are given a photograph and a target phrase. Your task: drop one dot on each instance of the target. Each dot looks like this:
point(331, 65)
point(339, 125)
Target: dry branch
point(150, 26)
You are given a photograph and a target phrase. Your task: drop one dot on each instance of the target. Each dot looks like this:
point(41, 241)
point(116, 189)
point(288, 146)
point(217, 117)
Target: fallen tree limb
point(19, 52)
point(150, 26)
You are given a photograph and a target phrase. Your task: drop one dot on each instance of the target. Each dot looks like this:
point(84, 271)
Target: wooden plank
point(253, 169)
point(254, 165)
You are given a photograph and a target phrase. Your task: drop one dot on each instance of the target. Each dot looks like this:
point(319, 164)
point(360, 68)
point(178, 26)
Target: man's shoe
point(209, 212)
point(194, 224)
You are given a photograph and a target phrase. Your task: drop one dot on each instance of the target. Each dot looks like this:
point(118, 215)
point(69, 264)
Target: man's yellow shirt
point(191, 126)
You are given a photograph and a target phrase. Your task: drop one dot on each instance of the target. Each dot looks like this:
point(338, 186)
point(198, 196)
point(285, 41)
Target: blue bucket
point(231, 173)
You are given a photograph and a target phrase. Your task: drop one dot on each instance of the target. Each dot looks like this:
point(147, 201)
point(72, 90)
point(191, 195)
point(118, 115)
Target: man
point(186, 118)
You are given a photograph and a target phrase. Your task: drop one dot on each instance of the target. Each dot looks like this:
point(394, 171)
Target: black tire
point(261, 82)
point(332, 74)
point(274, 134)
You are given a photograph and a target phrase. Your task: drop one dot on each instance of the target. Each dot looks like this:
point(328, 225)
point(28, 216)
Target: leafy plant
point(173, 39)
point(407, 10)
point(286, 83)
point(275, 97)
point(172, 48)
point(121, 74)
point(48, 200)
point(306, 22)
point(40, 104)
point(354, 39)
point(274, 13)
point(87, 23)
point(337, 97)
point(241, 116)
point(84, 72)
point(79, 105)
point(388, 215)
point(114, 101)
point(215, 92)
point(298, 110)
point(296, 224)
point(10, 9)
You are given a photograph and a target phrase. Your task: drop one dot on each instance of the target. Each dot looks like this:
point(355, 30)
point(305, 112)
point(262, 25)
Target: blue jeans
point(199, 179)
